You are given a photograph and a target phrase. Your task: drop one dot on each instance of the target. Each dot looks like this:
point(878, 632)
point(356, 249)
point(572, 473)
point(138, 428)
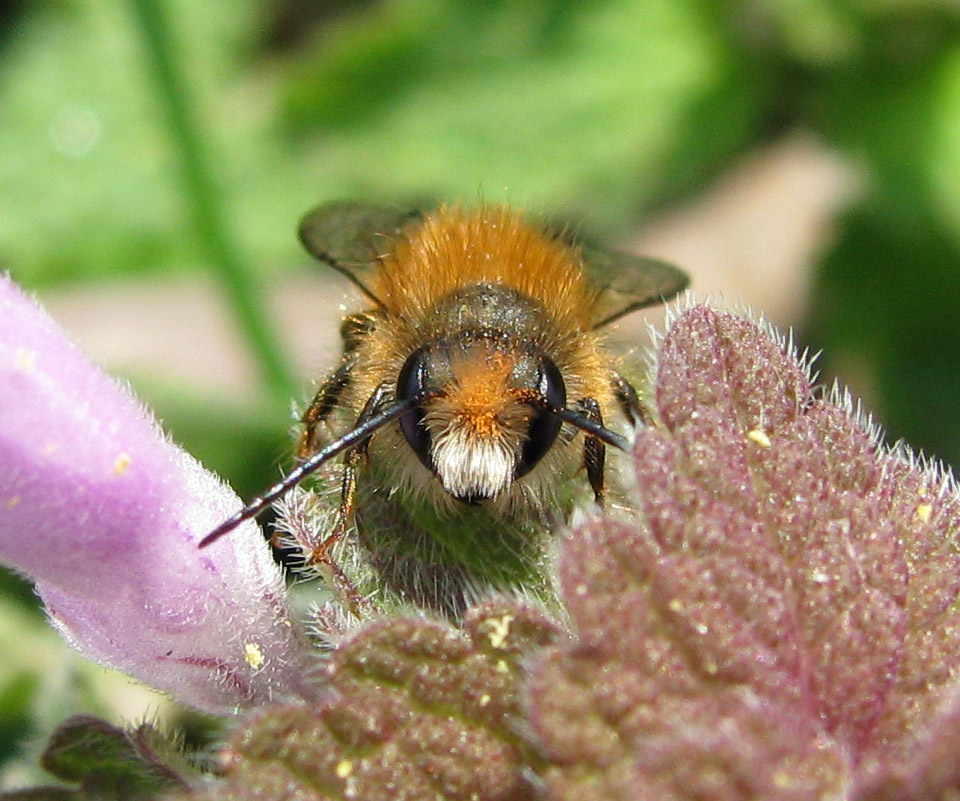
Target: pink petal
point(104, 513)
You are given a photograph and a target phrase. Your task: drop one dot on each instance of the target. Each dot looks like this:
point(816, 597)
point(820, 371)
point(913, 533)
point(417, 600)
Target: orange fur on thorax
point(454, 249)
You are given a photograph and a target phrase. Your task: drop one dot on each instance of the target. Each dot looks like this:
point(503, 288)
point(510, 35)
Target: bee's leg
point(629, 401)
point(348, 487)
point(352, 331)
point(321, 557)
point(348, 500)
point(324, 402)
point(594, 451)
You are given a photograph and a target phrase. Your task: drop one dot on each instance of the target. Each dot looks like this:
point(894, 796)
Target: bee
point(474, 389)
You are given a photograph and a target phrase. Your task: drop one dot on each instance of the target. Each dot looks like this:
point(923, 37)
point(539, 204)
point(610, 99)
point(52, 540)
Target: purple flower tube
point(104, 514)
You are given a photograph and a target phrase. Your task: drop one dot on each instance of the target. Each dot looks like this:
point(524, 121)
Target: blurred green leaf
point(943, 155)
point(885, 303)
point(575, 112)
point(572, 112)
point(882, 301)
point(109, 762)
point(42, 794)
point(16, 714)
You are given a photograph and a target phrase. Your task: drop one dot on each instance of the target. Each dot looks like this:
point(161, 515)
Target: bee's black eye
point(411, 384)
point(545, 425)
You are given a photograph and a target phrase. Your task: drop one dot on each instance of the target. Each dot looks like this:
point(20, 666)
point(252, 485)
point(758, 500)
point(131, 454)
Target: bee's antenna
point(592, 427)
point(301, 471)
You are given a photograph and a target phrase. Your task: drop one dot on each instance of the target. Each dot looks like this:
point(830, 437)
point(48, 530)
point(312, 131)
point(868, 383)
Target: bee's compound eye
point(545, 425)
point(411, 384)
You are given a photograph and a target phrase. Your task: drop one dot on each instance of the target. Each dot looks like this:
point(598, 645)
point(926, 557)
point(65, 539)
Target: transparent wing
point(629, 282)
point(351, 236)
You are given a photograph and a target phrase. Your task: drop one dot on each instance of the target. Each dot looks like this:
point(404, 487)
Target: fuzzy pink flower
point(103, 513)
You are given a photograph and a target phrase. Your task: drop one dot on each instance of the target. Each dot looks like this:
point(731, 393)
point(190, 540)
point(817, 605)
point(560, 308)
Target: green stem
point(208, 212)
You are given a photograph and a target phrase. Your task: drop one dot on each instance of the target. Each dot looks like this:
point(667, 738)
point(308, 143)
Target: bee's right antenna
point(295, 476)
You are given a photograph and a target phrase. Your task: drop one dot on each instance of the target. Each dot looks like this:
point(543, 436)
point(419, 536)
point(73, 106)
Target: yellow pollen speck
point(25, 360)
point(759, 436)
point(675, 605)
point(121, 464)
point(344, 768)
point(12, 501)
point(923, 512)
point(253, 653)
point(499, 629)
point(484, 699)
point(502, 667)
point(783, 779)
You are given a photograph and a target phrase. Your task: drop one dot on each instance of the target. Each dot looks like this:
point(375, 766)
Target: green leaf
point(109, 762)
point(42, 794)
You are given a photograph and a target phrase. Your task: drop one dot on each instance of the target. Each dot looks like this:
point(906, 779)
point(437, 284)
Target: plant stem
point(200, 189)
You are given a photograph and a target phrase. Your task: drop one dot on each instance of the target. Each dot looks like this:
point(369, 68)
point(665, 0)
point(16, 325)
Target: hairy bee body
point(484, 292)
point(471, 403)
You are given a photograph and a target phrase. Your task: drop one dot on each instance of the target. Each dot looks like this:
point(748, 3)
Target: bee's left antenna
point(592, 427)
point(295, 476)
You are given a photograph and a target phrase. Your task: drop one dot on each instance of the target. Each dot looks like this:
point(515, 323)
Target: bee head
point(483, 420)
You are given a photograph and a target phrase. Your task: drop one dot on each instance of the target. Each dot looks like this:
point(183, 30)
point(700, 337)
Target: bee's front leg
point(324, 402)
point(594, 451)
point(321, 558)
point(629, 401)
point(352, 331)
point(348, 487)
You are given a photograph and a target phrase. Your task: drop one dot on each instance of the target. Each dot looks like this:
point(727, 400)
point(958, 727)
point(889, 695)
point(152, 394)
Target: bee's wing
point(351, 236)
point(629, 282)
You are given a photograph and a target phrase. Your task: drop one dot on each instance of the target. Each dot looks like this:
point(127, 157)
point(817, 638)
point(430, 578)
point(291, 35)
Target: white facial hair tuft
point(471, 466)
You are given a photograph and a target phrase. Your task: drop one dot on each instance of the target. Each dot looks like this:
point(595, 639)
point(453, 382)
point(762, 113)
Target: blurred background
point(801, 159)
